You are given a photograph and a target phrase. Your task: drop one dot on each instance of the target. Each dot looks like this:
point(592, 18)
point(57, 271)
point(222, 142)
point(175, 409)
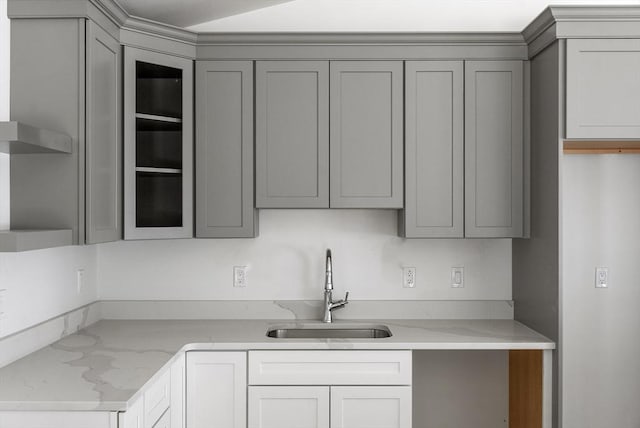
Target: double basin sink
point(329, 331)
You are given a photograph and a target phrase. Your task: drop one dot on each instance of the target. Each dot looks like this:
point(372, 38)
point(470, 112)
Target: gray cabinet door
point(434, 150)
point(292, 142)
point(603, 88)
point(104, 137)
point(494, 141)
point(224, 150)
point(366, 134)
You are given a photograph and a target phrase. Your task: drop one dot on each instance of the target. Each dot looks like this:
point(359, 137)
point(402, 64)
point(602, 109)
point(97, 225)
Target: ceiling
point(185, 13)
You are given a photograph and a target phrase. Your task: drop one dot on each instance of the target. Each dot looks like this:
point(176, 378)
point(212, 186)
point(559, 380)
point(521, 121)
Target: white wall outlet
point(457, 277)
point(239, 276)
point(408, 277)
point(80, 280)
point(602, 277)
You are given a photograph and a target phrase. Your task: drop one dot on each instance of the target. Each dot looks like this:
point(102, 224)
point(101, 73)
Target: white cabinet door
point(216, 389)
point(288, 407)
point(371, 407)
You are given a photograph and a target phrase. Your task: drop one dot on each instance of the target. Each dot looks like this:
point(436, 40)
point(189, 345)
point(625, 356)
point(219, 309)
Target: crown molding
point(563, 22)
point(147, 26)
point(359, 38)
point(555, 22)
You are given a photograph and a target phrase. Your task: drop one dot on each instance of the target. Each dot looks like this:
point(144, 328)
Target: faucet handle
point(346, 297)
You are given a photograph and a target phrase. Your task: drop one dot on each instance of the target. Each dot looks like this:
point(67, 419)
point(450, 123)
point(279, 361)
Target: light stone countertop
point(104, 366)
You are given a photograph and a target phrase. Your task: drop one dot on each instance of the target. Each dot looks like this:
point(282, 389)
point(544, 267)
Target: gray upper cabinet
point(603, 88)
point(158, 144)
point(104, 137)
point(292, 134)
point(434, 150)
point(66, 77)
point(494, 148)
point(224, 150)
point(366, 134)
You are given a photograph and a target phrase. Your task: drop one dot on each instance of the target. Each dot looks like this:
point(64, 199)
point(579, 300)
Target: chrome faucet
point(329, 304)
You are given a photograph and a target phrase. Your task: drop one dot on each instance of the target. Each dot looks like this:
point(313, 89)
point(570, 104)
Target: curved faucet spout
point(329, 303)
point(328, 280)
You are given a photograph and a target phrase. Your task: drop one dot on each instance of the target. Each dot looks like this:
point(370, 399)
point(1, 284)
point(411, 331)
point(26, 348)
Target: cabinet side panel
point(104, 137)
point(47, 91)
point(536, 260)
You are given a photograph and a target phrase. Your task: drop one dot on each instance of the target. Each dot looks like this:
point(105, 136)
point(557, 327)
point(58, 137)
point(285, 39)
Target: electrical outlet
point(602, 277)
point(239, 276)
point(80, 280)
point(457, 277)
point(408, 277)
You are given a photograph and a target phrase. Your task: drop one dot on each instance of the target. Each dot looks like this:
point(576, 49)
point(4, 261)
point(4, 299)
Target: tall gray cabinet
point(224, 150)
point(65, 76)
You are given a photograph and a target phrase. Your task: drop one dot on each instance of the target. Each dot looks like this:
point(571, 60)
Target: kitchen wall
point(286, 262)
point(36, 285)
point(600, 326)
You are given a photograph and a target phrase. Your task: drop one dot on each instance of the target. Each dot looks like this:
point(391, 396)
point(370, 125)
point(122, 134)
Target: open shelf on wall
point(34, 239)
point(20, 138)
point(17, 138)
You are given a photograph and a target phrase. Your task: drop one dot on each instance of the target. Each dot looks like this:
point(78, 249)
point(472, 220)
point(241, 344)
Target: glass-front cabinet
point(158, 123)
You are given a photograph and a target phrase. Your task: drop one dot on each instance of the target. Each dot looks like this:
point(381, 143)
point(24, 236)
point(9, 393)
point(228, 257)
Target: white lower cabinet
point(371, 407)
point(216, 391)
point(288, 407)
point(329, 389)
point(329, 407)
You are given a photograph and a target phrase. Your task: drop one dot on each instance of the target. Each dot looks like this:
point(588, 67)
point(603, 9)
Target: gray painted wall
point(600, 327)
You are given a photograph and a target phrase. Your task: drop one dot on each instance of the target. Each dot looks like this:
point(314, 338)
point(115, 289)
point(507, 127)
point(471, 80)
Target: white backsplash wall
point(286, 262)
point(39, 285)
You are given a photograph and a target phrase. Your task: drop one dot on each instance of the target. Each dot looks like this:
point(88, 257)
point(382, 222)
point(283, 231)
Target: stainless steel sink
point(324, 331)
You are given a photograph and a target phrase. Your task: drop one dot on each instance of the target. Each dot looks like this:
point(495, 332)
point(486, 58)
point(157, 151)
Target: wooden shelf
point(601, 147)
point(27, 240)
point(19, 138)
